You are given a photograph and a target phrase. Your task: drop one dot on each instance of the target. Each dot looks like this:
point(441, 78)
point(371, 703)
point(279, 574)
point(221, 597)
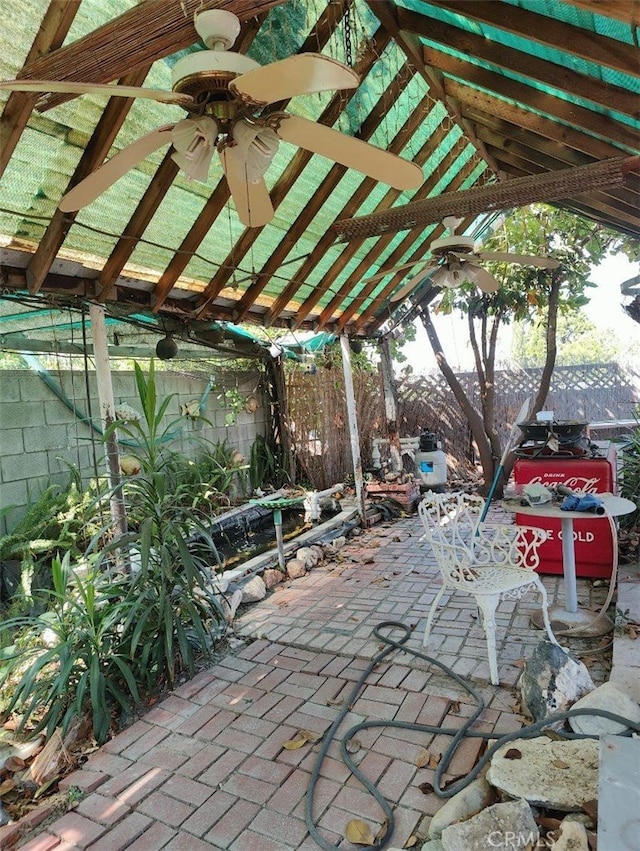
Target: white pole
point(107, 413)
point(390, 406)
point(353, 426)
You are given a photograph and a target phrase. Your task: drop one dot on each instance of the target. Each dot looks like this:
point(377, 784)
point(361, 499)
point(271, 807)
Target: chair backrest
point(452, 526)
point(450, 522)
point(456, 515)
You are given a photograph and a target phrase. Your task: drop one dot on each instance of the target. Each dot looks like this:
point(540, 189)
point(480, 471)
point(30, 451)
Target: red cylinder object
point(593, 539)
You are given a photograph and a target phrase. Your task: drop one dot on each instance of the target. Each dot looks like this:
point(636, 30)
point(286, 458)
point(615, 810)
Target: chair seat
point(493, 580)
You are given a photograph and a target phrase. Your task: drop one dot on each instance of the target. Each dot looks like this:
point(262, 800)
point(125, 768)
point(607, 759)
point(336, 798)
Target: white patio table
point(614, 506)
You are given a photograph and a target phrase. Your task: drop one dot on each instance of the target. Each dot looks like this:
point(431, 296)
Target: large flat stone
point(562, 775)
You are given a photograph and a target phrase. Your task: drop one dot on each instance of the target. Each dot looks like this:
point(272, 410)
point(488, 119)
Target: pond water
point(252, 532)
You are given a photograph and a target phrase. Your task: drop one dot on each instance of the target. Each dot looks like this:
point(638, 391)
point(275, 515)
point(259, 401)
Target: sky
point(604, 310)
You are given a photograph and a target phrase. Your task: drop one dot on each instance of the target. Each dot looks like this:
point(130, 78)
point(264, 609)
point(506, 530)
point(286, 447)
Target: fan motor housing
point(463, 244)
point(209, 72)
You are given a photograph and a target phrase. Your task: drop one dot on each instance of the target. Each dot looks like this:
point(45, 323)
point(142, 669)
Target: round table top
point(614, 507)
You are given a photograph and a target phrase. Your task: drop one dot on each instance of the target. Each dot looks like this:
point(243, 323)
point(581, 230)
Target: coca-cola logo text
point(575, 483)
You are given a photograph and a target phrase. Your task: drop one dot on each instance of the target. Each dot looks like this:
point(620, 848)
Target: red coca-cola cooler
point(593, 538)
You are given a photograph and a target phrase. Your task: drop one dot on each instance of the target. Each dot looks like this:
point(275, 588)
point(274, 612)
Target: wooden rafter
point(103, 137)
point(621, 10)
point(525, 65)
point(51, 33)
point(550, 32)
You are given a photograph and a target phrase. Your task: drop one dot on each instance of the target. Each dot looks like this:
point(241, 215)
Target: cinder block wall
point(40, 436)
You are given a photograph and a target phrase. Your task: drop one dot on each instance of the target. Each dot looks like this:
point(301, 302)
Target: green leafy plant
point(264, 467)
point(630, 474)
point(63, 518)
point(171, 550)
point(71, 658)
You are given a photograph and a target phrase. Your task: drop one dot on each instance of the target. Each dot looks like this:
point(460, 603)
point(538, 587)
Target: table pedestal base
point(585, 623)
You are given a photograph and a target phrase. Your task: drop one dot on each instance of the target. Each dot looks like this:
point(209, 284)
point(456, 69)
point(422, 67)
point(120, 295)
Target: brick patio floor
point(206, 768)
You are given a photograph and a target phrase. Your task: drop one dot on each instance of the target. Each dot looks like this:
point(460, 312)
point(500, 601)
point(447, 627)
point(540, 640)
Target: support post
point(353, 426)
point(390, 406)
point(107, 415)
point(280, 417)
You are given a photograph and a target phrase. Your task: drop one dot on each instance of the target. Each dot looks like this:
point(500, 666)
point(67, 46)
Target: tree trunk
point(473, 417)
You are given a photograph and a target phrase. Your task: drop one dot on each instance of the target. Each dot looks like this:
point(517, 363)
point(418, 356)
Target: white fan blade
point(298, 75)
point(521, 259)
point(485, 280)
point(102, 178)
point(72, 88)
point(393, 269)
point(352, 153)
point(409, 287)
point(251, 199)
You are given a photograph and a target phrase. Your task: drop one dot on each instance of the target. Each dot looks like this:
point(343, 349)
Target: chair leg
point(432, 612)
point(488, 605)
point(545, 613)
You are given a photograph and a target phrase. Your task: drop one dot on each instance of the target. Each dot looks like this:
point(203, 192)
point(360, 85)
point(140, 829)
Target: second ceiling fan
point(453, 261)
point(227, 96)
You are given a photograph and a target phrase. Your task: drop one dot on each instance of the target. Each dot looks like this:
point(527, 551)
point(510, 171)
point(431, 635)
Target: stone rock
point(573, 837)
point(272, 577)
point(609, 697)
point(307, 556)
point(551, 682)
point(22, 750)
point(296, 568)
point(254, 590)
point(433, 845)
point(561, 775)
point(337, 544)
point(317, 549)
point(230, 604)
point(509, 825)
point(466, 803)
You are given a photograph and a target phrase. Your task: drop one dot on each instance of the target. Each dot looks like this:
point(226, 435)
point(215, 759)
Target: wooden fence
point(595, 393)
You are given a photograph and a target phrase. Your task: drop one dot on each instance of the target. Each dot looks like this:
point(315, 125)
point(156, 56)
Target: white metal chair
point(487, 560)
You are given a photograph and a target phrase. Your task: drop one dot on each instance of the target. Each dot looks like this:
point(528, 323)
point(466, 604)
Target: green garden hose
point(457, 734)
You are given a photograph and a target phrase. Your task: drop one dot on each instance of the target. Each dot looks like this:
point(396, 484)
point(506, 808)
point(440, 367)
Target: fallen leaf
point(335, 701)
point(454, 707)
point(359, 832)
point(513, 753)
point(294, 744)
point(14, 763)
point(591, 809)
point(412, 841)
point(423, 758)
point(519, 663)
point(426, 788)
point(380, 835)
point(434, 759)
point(631, 632)
point(6, 786)
point(309, 736)
point(353, 746)
point(555, 737)
point(559, 763)
point(548, 823)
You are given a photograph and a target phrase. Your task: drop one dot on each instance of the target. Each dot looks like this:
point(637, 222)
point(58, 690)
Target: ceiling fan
point(227, 96)
point(455, 261)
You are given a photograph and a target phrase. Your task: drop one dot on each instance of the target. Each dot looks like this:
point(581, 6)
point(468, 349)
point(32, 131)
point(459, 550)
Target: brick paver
point(209, 766)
